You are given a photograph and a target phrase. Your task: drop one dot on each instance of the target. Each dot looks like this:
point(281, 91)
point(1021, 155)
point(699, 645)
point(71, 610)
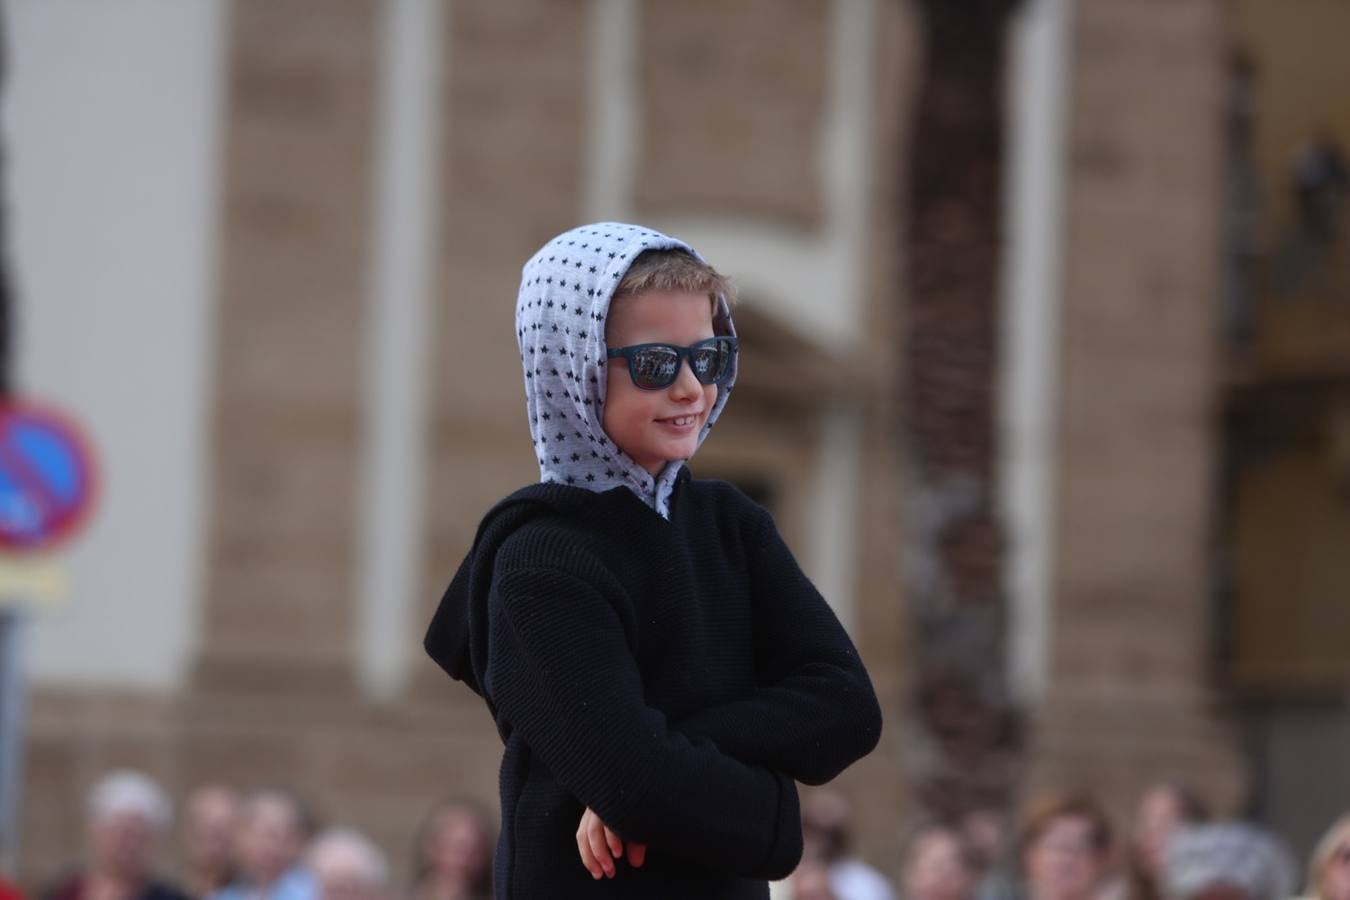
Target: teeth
point(681, 420)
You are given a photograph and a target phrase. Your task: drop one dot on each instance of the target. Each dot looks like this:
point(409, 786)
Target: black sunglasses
point(656, 366)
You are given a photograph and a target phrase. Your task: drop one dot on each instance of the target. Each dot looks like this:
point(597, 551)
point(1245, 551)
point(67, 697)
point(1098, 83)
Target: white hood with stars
point(565, 291)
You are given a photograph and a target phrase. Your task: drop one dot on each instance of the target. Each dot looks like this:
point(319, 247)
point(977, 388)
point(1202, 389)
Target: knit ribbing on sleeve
point(564, 675)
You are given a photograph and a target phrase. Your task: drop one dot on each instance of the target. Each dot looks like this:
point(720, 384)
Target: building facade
point(300, 242)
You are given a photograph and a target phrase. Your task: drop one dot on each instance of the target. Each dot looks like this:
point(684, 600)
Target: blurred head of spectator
point(1162, 809)
point(1329, 868)
point(1066, 845)
point(454, 852)
point(825, 825)
point(811, 881)
point(210, 822)
point(938, 865)
point(984, 831)
point(348, 866)
point(826, 831)
point(274, 827)
point(1229, 861)
point(126, 813)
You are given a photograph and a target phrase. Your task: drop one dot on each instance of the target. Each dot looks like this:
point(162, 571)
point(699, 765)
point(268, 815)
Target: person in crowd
point(1066, 848)
point(210, 822)
point(811, 881)
point(453, 859)
point(1162, 809)
point(938, 866)
point(826, 833)
point(275, 826)
point(1329, 868)
point(348, 866)
point(985, 833)
point(1227, 861)
point(127, 813)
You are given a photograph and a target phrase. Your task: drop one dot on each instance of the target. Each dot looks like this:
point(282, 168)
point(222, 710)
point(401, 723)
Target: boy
point(658, 667)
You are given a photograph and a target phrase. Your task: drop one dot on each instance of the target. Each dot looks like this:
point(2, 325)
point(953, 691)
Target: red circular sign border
point(67, 524)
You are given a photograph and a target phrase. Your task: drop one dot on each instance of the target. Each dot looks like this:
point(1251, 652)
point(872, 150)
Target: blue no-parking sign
point(47, 488)
point(47, 479)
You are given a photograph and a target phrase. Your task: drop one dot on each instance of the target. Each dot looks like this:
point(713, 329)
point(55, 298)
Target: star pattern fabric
point(565, 292)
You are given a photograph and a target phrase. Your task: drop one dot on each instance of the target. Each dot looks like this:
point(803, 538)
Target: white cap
point(125, 791)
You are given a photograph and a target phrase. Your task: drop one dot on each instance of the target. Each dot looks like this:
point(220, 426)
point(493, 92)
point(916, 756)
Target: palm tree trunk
point(965, 727)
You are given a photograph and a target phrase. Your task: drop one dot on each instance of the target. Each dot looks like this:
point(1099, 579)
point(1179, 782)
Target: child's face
point(656, 427)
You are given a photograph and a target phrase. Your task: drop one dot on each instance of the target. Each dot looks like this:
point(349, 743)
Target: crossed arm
point(730, 804)
point(563, 675)
point(814, 712)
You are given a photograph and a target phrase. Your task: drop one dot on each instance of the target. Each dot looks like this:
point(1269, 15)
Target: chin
point(681, 455)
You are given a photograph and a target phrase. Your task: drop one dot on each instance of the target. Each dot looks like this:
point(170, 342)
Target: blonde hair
point(1046, 808)
point(1322, 853)
point(674, 270)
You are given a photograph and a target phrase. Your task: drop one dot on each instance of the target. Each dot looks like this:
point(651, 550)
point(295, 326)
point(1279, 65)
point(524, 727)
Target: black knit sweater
point(675, 676)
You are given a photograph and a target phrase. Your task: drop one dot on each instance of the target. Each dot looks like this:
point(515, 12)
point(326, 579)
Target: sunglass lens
point(654, 367)
point(712, 362)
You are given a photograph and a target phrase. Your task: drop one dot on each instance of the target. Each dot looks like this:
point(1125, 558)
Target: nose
point(686, 386)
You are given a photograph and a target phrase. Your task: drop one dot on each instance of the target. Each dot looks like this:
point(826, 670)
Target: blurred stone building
point(268, 250)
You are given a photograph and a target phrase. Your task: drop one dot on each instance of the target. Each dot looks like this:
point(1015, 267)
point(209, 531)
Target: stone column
point(288, 385)
point(511, 179)
point(1126, 699)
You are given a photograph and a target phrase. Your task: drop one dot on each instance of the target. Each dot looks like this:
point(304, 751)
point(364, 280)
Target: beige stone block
point(246, 758)
point(732, 106)
point(51, 827)
point(287, 587)
point(513, 156)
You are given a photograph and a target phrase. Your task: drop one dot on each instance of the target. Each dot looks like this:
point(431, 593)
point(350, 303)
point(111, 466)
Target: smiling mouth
point(679, 420)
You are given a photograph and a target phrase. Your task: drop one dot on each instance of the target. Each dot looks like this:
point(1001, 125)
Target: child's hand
point(600, 846)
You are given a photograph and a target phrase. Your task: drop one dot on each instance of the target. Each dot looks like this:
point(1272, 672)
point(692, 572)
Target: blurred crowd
point(1065, 848)
point(262, 845)
point(266, 845)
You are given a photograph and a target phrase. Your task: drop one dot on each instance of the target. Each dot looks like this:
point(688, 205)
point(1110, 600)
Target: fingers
point(584, 847)
point(591, 844)
point(614, 843)
point(599, 847)
point(596, 836)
